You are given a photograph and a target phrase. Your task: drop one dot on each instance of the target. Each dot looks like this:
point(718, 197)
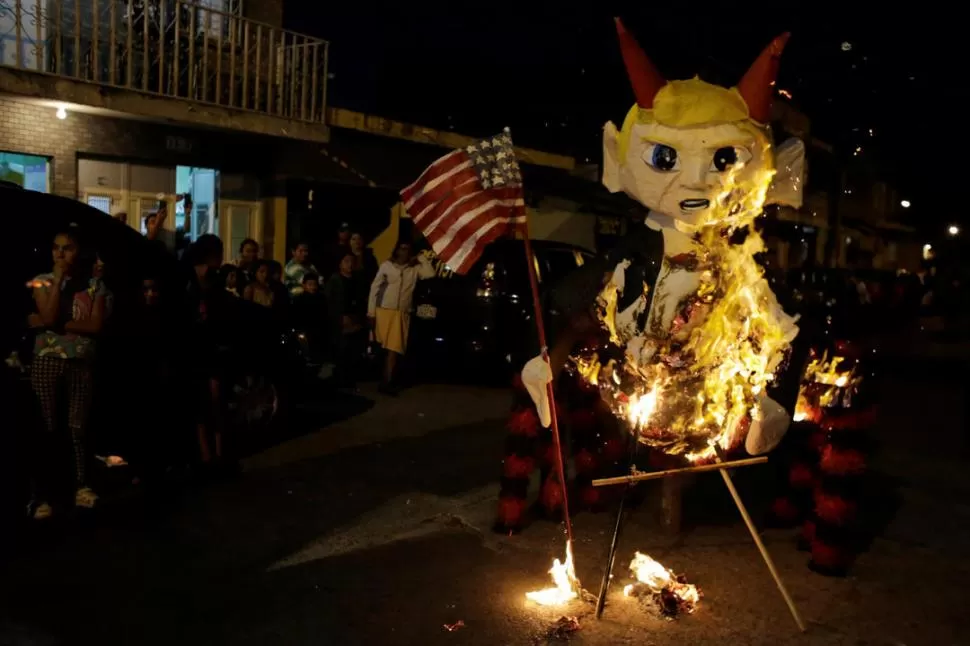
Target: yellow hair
point(686, 104)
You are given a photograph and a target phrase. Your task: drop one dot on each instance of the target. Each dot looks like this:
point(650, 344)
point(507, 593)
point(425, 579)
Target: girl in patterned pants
point(69, 313)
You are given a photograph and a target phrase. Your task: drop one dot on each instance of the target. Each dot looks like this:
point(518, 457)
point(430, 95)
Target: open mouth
point(694, 205)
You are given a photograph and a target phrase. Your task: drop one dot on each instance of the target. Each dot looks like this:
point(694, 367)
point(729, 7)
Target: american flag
point(467, 199)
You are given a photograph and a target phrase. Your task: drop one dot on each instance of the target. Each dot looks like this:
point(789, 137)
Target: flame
point(826, 382)
point(642, 407)
point(567, 585)
point(730, 338)
point(653, 577)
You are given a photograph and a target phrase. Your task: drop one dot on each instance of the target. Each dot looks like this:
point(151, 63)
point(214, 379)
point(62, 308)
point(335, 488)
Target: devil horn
point(758, 84)
point(644, 77)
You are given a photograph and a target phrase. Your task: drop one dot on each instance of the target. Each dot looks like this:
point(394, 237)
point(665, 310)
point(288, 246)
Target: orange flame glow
point(566, 584)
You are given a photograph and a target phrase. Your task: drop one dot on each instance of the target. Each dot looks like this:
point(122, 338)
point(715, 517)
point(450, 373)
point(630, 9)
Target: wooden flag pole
point(757, 538)
point(550, 391)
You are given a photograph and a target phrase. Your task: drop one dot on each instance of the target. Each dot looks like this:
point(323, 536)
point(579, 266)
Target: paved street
point(376, 530)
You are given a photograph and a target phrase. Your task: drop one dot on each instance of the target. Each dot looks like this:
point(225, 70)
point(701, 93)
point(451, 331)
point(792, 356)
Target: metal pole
point(617, 525)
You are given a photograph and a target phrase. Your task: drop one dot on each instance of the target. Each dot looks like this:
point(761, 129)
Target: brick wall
point(35, 130)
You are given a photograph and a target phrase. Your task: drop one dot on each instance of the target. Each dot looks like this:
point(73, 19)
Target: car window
point(561, 262)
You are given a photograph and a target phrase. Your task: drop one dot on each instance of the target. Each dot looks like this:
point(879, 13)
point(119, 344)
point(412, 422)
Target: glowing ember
point(672, 593)
point(728, 338)
point(567, 585)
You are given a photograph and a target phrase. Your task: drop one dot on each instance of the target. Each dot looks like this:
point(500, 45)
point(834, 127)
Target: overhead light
point(61, 113)
point(905, 204)
point(953, 230)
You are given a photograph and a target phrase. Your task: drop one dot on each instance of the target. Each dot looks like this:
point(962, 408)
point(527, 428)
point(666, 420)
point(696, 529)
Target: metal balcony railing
point(172, 49)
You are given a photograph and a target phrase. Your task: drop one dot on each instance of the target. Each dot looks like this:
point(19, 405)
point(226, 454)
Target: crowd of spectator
point(343, 303)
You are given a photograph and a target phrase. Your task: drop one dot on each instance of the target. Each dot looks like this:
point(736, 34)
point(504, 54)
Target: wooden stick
point(723, 467)
point(654, 475)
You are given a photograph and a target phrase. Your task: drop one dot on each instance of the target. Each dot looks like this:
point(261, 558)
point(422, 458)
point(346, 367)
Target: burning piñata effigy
point(674, 335)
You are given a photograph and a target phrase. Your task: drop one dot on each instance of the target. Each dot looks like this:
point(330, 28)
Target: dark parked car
point(261, 364)
point(483, 322)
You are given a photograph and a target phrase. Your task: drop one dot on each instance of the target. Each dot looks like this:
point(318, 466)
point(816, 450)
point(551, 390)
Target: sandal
point(85, 497)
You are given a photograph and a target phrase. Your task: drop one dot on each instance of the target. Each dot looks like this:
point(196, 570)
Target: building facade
point(126, 103)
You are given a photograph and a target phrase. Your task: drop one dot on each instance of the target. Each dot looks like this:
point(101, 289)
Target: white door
point(238, 221)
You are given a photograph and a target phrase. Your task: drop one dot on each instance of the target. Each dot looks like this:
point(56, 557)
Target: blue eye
point(661, 157)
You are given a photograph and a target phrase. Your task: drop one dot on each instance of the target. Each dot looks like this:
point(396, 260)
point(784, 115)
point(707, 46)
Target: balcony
point(136, 56)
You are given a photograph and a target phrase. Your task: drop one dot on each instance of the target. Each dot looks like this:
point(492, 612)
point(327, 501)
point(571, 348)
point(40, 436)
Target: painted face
point(64, 251)
point(687, 173)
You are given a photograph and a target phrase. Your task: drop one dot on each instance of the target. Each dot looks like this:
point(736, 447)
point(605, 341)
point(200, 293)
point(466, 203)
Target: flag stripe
point(469, 253)
point(465, 228)
point(439, 188)
point(439, 221)
point(467, 199)
point(438, 172)
point(439, 167)
point(463, 185)
point(457, 213)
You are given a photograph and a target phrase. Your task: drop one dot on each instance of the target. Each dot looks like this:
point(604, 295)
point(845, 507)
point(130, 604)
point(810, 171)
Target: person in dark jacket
point(347, 310)
point(310, 316)
point(206, 310)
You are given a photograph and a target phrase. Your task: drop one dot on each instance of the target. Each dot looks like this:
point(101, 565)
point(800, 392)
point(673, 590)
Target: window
point(30, 171)
point(561, 262)
point(100, 202)
point(213, 14)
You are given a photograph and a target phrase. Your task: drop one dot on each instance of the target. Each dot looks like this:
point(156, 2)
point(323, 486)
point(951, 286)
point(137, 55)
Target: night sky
point(553, 73)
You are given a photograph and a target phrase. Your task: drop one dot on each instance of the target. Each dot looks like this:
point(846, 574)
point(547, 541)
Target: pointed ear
point(611, 158)
point(788, 184)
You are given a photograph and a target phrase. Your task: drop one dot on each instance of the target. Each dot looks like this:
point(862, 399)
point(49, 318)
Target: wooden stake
point(757, 539)
point(654, 475)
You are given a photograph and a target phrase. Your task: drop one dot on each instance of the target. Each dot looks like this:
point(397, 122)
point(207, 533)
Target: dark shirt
point(206, 313)
point(344, 299)
point(367, 267)
point(310, 313)
point(333, 254)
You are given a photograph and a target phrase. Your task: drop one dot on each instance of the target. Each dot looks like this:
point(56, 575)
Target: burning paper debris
point(567, 586)
point(563, 628)
point(672, 594)
point(826, 383)
point(458, 625)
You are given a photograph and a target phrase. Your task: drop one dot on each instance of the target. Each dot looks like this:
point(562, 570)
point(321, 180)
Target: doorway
point(202, 184)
